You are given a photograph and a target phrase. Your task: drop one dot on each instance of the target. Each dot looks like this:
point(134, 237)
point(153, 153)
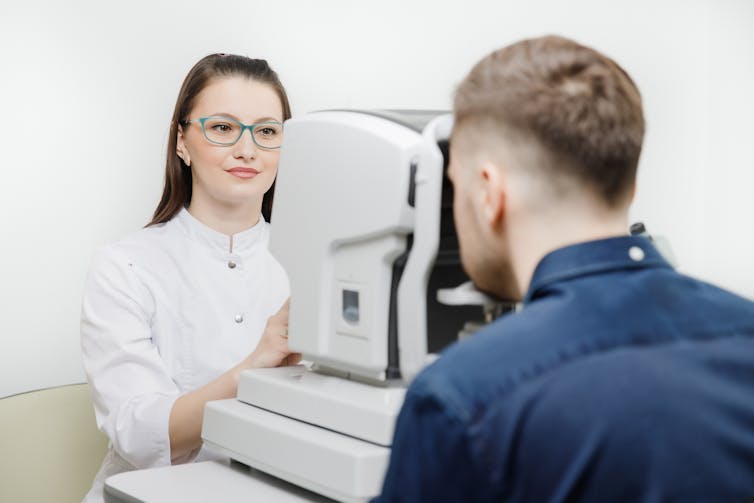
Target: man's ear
point(493, 194)
point(180, 148)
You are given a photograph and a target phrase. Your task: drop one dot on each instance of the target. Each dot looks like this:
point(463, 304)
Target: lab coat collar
point(243, 241)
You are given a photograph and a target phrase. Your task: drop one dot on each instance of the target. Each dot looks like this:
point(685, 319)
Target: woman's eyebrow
point(256, 121)
point(267, 119)
point(224, 114)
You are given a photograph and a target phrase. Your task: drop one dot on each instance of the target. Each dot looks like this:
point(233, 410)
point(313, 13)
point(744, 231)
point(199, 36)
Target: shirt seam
point(594, 348)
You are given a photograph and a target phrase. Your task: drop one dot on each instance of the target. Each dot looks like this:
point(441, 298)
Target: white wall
point(87, 89)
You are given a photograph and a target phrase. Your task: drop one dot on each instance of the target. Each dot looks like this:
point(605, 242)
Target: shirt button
point(636, 253)
point(231, 264)
point(239, 318)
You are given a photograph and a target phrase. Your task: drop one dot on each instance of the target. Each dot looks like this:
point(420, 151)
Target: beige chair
point(50, 448)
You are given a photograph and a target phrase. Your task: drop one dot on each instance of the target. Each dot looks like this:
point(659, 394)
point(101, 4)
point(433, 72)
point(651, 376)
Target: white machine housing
point(352, 186)
point(356, 225)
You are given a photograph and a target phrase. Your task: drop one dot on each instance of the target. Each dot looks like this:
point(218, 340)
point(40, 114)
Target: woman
point(174, 312)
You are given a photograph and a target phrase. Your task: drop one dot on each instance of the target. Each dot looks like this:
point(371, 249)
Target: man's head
point(542, 127)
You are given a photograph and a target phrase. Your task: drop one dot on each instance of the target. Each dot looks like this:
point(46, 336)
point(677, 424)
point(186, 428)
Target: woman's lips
point(243, 172)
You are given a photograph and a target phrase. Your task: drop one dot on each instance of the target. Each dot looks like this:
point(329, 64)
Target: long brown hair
point(177, 191)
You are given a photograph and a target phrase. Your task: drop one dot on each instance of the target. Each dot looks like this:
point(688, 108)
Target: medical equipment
point(362, 223)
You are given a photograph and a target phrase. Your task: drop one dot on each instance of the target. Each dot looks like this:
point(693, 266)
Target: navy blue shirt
point(620, 380)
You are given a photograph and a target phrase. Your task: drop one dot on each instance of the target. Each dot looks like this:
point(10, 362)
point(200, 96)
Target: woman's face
point(235, 175)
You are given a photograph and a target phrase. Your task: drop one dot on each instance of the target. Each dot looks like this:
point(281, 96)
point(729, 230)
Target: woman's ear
point(493, 194)
point(181, 149)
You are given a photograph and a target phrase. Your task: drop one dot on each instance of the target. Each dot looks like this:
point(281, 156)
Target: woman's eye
point(268, 131)
point(222, 128)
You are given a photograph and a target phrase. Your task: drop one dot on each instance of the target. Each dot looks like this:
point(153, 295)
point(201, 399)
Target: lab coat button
point(636, 253)
point(231, 264)
point(239, 318)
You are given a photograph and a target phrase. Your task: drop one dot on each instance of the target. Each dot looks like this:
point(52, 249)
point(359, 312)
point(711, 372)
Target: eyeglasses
point(227, 131)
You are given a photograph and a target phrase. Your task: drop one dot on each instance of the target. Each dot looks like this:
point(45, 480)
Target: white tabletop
point(202, 482)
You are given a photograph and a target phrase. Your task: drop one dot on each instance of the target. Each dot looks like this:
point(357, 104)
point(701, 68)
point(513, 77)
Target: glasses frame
point(244, 127)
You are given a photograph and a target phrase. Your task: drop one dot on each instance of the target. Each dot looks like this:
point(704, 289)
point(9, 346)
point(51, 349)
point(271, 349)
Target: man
point(620, 379)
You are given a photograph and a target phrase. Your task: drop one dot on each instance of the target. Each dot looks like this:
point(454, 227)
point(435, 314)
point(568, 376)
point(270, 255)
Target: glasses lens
point(222, 130)
point(268, 134)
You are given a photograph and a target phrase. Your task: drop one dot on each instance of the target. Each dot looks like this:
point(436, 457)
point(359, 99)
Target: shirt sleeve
point(430, 458)
point(132, 390)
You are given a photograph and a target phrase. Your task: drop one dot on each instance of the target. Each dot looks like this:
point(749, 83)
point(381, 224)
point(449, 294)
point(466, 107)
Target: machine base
point(328, 463)
point(363, 411)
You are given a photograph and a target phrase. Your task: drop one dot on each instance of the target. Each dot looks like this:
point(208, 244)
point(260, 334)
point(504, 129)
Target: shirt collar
point(593, 257)
point(242, 241)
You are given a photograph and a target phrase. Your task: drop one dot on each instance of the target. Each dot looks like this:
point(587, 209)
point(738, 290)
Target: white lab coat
point(166, 310)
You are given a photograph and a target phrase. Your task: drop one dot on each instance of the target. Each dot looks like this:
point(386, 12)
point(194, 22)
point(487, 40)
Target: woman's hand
point(186, 415)
point(272, 349)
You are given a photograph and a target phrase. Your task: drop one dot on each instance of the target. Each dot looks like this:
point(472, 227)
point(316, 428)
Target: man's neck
point(530, 241)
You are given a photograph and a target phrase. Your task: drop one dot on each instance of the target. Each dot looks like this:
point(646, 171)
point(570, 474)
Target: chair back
point(50, 447)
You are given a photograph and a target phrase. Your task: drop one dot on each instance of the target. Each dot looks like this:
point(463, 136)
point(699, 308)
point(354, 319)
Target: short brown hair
point(177, 190)
point(580, 106)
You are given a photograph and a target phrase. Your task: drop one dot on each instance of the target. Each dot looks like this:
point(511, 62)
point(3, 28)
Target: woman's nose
point(245, 146)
